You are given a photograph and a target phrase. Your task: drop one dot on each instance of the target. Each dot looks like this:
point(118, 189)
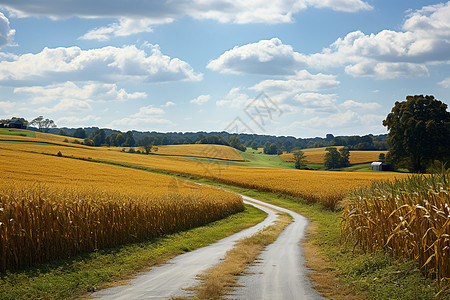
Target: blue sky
point(288, 67)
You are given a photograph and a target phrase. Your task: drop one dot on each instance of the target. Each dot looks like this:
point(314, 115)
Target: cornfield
point(325, 187)
point(50, 209)
point(201, 150)
point(408, 218)
point(317, 157)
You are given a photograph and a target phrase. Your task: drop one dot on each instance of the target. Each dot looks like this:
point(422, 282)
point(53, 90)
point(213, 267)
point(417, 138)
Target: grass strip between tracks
point(220, 279)
point(70, 278)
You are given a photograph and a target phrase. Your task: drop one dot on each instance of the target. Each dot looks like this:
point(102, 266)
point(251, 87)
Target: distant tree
point(43, 125)
point(99, 137)
point(339, 141)
point(329, 137)
point(129, 139)
point(62, 132)
point(345, 157)
point(332, 158)
point(79, 133)
point(120, 140)
point(235, 142)
point(419, 131)
point(88, 142)
point(382, 157)
point(254, 145)
point(299, 159)
point(164, 141)
point(146, 144)
point(271, 148)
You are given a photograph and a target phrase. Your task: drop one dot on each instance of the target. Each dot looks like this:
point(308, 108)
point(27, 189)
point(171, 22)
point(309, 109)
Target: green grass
point(18, 132)
point(86, 273)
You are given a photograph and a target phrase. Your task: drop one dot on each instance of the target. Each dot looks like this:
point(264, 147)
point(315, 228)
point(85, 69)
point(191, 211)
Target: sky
point(302, 68)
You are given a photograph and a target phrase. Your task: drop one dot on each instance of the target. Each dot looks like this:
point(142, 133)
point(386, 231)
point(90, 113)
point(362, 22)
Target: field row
point(52, 207)
point(409, 218)
point(323, 186)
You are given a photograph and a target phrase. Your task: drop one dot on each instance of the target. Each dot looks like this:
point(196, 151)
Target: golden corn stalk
point(325, 187)
point(408, 218)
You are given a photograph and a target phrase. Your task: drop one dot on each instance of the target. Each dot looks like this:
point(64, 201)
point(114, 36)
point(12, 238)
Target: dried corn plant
point(408, 218)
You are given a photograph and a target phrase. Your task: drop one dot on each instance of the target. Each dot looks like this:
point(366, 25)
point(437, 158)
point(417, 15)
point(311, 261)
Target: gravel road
point(166, 281)
point(279, 273)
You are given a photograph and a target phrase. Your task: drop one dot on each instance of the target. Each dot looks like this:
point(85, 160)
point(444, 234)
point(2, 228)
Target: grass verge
point(220, 279)
point(86, 273)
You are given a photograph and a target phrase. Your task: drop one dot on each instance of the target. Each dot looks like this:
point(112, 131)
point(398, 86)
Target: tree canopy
point(419, 133)
point(43, 124)
point(337, 159)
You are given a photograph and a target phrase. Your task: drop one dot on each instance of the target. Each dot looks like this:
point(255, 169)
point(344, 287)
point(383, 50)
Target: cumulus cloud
point(68, 105)
point(269, 57)
point(6, 33)
point(445, 83)
point(301, 82)
point(148, 111)
point(202, 99)
point(350, 104)
point(315, 102)
point(125, 27)
point(341, 5)
point(235, 98)
point(108, 64)
point(169, 103)
point(70, 90)
point(390, 54)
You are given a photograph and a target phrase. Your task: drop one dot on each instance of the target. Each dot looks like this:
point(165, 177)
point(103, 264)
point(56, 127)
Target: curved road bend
point(279, 273)
point(167, 280)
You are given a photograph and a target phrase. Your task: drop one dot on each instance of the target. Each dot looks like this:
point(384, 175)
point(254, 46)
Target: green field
point(18, 132)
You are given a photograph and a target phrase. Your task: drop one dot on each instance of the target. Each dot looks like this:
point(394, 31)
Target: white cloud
point(125, 27)
point(169, 103)
point(104, 64)
point(390, 54)
point(73, 121)
point(68, 105)
point(341, 5)
point(202, 99)
point(6, 33)
point(235, 99)
point(269, 57)
point(315, 102)
point(387, 70)
point(147, 111)
point(70, 90)
point(301, 82)
point(225, 11)
point(445, 83)
point(350, 104)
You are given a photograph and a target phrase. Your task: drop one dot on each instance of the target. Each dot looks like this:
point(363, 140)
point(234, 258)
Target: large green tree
point(419, 133)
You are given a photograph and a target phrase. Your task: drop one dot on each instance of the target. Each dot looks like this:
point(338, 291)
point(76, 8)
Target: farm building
point(15, 124)
point(380, 166)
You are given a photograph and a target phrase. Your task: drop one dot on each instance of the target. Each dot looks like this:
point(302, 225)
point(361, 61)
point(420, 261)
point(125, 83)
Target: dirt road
point(283, 275)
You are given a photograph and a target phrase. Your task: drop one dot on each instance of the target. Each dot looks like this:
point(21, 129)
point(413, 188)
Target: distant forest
point(283, 143)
